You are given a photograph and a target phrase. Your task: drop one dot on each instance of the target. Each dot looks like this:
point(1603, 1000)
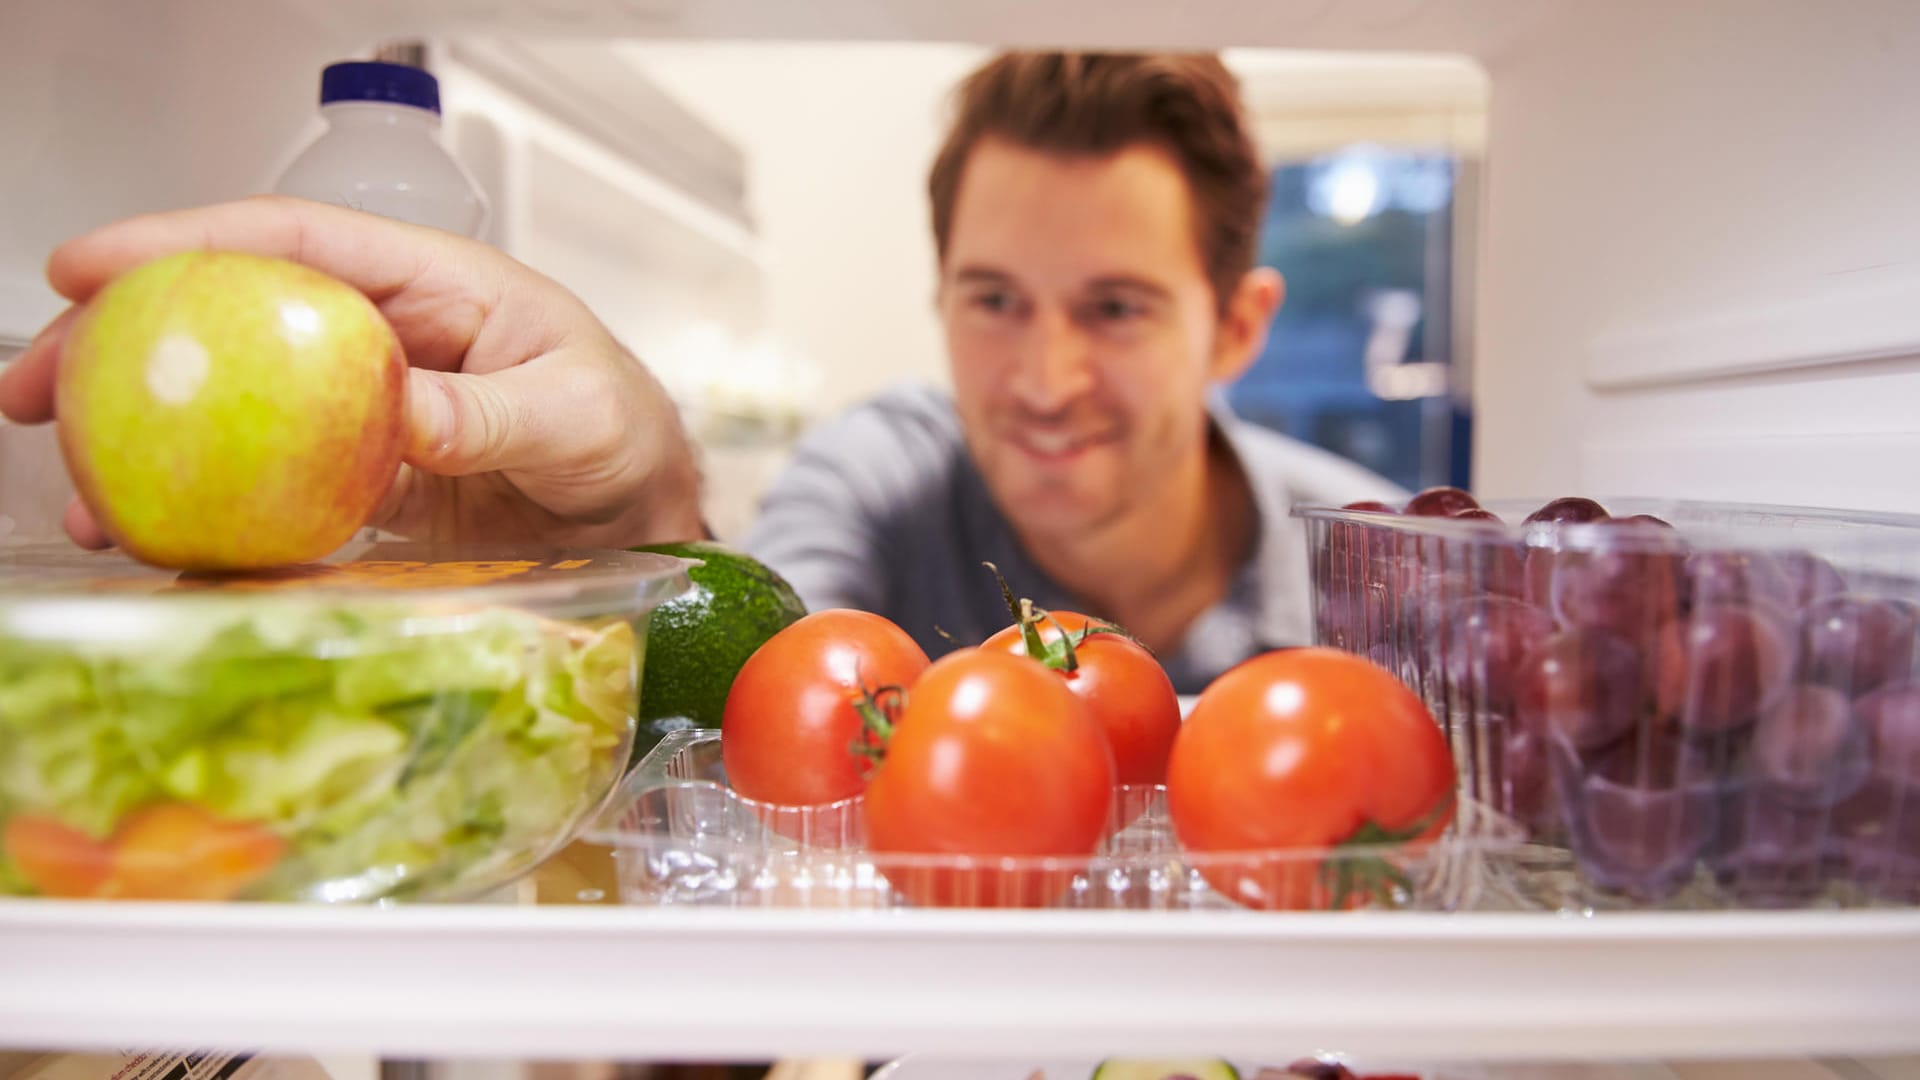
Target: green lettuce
point(397, 754)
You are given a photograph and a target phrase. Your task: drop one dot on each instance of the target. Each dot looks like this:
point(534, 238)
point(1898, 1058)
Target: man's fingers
point(26, 387)
point(444, 294)
point(83, 527)
point(532, 417)
point(357, 248)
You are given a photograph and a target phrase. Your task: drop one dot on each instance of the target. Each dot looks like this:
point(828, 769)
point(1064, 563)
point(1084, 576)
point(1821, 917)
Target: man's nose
point(1057, 366)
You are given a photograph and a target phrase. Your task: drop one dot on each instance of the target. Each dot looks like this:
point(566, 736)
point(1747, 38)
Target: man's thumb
point(457, 424)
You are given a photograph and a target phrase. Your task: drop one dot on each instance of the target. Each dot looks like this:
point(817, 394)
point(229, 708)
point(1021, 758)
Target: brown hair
point(1099, 104)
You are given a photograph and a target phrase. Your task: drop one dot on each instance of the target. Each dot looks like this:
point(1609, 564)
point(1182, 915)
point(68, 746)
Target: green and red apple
point(225, 411)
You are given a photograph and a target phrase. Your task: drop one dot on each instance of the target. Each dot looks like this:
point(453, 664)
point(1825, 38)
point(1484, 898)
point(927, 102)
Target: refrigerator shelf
point(699, 984)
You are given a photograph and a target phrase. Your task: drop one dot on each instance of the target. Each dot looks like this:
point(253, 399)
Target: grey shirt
point(882, 509)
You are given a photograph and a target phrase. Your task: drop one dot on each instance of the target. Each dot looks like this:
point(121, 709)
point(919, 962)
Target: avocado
point(697, 642)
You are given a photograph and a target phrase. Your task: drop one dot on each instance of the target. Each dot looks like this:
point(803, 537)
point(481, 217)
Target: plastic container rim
point(618, 582)
point(1860, 529)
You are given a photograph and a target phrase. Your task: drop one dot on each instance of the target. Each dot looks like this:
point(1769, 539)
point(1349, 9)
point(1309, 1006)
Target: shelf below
point(684, 984)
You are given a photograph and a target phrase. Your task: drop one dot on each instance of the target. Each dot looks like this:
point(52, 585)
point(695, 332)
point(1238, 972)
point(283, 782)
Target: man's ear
point(1243, 329)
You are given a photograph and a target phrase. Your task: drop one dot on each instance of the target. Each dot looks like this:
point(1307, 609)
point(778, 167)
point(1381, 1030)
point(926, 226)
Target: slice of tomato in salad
point(178, 851)
point(58, 860)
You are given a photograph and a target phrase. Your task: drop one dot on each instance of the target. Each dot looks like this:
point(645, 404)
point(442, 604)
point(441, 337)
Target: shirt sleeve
point(822, 521)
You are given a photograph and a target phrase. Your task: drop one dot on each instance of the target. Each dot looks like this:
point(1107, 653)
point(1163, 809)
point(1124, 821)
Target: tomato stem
point(879, 709)
point(1061, 654)
point(1351, 876)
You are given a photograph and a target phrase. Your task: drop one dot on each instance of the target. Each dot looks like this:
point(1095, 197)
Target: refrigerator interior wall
point(119, 109)
point(1700, 270)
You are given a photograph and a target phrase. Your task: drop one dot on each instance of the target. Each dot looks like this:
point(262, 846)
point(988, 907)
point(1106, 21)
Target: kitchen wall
point(1694, 211)
point(839, 139)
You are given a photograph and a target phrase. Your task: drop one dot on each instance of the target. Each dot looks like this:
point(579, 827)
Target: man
point(1095, 218)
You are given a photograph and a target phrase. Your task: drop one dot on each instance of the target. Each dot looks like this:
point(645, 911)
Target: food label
point(199, 1065)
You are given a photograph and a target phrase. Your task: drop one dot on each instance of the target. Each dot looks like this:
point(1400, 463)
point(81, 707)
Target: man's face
point(1081, 330)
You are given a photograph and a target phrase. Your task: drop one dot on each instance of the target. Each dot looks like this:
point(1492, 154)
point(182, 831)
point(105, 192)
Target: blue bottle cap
point(368, 80)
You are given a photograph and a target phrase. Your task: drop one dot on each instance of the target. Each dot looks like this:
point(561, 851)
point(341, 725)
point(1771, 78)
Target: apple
point(224, 411)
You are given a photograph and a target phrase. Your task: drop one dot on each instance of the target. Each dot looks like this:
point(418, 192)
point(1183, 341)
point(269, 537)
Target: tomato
point(1123, 686)
point(793, 718)
point(1300, 751)
point(167, 851)
point(178, 851)
point(992, 756)
point(56, 859)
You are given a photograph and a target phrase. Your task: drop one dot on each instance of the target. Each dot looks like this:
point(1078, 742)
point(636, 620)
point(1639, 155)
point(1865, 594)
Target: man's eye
point(997, 302)
point(1117, 309)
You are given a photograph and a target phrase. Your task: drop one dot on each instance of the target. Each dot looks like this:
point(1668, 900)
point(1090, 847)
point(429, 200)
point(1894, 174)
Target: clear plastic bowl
point(680, 835)
point(400, 721)
point(1725, 713)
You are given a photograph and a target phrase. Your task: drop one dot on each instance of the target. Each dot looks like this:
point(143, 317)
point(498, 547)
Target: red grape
point(1572, 509)
point(1808, 749)
point(1855, 643)
point(1482, 644)
point(1884, 872)
point(1734, 577)
point(1582, 685)
point(1641, 841)
point(1496, 564)
point(1772, 855)
point(1891, 716)
point(1629, 591)
point(1647, 519)
point(1809, 577)
point(1314, 1069)
point(1440, 502)
point(1654, 757)
point(1371, 506)
point(1883, 812)
point(1718, 668)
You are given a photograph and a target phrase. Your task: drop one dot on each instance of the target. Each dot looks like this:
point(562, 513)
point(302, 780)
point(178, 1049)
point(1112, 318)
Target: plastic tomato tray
point(680, 835)
point(1724, 713)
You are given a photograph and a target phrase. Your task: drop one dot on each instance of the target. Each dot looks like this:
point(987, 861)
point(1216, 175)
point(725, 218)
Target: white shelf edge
point(679, 984)
point(1869, 314)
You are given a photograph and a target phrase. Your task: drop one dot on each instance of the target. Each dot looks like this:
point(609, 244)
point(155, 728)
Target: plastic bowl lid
point(56, 585)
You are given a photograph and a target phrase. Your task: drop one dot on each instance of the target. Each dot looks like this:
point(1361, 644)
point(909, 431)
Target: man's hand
point(526, 420)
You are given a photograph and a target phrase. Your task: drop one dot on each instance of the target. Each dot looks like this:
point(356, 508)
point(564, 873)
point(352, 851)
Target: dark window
point(1360, 359)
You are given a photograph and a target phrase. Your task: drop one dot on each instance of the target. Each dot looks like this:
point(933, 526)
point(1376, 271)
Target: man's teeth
point(1047, 443)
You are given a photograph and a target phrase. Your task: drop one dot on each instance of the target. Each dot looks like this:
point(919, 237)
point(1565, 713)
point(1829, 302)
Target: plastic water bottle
point(381, 151)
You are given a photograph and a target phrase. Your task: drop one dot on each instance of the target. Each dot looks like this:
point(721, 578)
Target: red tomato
point(1304, 750)
point(56, 859)
point(992, 756)
point(179, 851)
point(1123, 686)
point(793, 715)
